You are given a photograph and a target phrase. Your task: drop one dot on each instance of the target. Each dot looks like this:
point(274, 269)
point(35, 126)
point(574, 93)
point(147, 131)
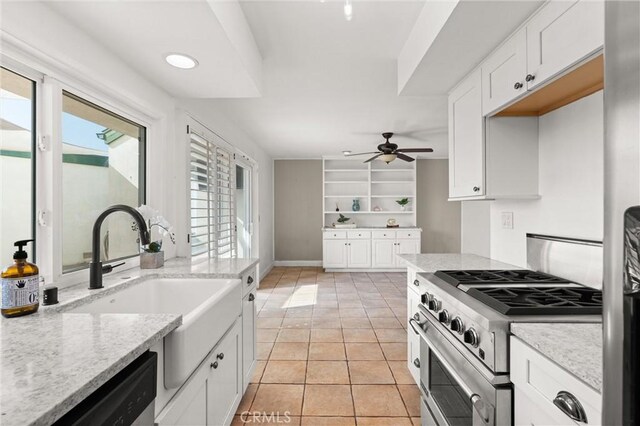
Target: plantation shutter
point(225, 204)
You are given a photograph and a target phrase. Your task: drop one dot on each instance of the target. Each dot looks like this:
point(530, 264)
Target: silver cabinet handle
point(416, 283)
point(416, 362)
point(251, 297)
point(570, 406)
point(250, 280)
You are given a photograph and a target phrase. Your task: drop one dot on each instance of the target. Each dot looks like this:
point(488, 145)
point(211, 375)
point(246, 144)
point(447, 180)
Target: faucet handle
point(108, 268)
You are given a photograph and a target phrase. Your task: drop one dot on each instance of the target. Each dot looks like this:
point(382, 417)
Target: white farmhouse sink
point(208, 307)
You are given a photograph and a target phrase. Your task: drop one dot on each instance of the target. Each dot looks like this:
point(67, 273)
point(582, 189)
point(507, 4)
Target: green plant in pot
point(343, 221)
point(403, 203)
point(152, 256)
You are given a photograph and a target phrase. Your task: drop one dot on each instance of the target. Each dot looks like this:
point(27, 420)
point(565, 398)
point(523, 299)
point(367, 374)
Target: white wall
point(571, 183)
point(476, 228)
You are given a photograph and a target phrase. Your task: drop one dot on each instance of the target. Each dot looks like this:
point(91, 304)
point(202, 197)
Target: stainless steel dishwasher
point(126, 399)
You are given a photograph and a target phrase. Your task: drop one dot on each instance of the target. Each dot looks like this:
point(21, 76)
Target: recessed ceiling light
point(181, 61)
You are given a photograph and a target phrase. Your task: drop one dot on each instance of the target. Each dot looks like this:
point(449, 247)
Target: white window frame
point(48, 208)
point(204, 133)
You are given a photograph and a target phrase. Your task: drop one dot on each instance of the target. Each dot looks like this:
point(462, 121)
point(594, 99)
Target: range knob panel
point(425, 298)
point(471, 337)
point(444, 317)
point(457, 325)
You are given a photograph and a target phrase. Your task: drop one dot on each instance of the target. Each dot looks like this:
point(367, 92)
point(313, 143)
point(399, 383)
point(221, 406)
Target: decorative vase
point(403, 208)
point(151, 260)
point(356, 205)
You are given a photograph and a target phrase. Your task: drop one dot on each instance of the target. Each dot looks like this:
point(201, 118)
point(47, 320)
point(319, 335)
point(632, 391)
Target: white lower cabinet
point(537, 381)
point(362, 249)
point(249, 349)
point(212, 394)
point(413, 339)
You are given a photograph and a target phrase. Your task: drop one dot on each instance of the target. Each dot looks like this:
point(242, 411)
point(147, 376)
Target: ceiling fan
point(388, 151)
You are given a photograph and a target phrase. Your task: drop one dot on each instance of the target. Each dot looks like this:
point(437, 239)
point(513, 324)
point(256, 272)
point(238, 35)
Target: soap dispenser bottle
point(20, 282)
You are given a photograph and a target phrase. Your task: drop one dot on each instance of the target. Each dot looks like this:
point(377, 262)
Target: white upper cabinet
point(504, 73)
point(466, 139)
point(561, 34)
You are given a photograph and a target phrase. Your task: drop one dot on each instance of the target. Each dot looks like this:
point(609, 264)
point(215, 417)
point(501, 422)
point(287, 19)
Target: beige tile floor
point(331, 351)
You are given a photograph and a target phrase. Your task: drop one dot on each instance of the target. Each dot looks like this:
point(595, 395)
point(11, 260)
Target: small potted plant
point(342, 222)
point(403, 203)
point(153, 257)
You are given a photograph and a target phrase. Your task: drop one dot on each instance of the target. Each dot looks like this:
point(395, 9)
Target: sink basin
point(208, 307)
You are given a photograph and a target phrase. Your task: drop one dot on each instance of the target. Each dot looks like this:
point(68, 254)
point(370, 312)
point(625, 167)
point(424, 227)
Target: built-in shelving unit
point(374, 184)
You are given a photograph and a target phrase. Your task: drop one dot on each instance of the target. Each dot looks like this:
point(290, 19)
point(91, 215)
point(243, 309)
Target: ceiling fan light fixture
point(387, 158)
point(346, 152)
point(348, 10)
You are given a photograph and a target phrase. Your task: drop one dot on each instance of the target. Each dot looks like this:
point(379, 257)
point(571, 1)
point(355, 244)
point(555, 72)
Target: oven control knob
point(471, 337)
point(457, 325)
point(444, 317)
point(435, 304)
point(425, 298)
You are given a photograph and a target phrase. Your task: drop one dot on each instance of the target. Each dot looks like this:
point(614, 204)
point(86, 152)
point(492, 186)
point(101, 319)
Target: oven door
point(454, 390)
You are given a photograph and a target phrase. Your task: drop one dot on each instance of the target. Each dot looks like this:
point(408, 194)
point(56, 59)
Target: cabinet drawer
point(358, 235)
point(540, 379)
point(335, 235)
point(384, 235)
point(411, 233)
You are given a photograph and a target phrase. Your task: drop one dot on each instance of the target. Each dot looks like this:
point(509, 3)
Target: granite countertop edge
point(564, 344)
point(431, 262)
point(66, 405)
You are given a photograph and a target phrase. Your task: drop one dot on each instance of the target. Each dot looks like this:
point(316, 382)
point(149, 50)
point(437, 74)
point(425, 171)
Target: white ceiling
point(326, 84)
point(330, 84)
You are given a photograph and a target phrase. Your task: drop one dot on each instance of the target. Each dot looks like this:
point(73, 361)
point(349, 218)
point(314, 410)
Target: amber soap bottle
point(20, 281)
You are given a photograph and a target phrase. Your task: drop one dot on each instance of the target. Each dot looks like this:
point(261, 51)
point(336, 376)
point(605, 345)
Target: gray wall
point(298, 209)
point(438, 218)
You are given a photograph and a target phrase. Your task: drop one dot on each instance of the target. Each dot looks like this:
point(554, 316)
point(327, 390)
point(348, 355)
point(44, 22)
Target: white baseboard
point(263, 273)
point(297, 263)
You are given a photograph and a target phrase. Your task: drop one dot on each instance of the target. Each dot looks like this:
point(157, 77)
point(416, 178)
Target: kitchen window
point(103, 163)
point(17, 161)
point(212, 186)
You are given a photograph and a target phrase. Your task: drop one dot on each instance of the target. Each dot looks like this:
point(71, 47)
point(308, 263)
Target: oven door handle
point(476, 400)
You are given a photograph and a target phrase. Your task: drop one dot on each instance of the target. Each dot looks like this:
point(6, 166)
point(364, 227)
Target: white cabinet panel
point(189, 406)
point(224, 385)
point(408, 246)
point(504, 72)
point(537, 381)
point(383, 253)
point(248, 338)
point(466, 138)
point(413, 339)
point(561, 34)
point(334, 253)
point(359, 253)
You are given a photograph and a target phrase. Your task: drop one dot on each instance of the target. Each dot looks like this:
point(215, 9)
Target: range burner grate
point(516, 276)
point(540, 300)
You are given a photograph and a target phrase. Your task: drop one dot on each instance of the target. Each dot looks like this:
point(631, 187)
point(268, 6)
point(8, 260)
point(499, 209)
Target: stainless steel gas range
point(463, 321)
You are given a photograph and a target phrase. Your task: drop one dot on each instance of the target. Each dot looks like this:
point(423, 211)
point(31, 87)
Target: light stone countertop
point(431, 262)
point(52, 360)
point(576, 347)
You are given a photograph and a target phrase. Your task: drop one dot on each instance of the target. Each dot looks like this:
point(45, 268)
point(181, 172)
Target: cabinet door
point(408, 246)
point(359, 253)
point(504, 72)
point(561, 34)
point(248, 338)
point(334, 254)
point(413, 339)
point(383, 253)
point(466, 139)
point(224, 385)
point(528, 411)
point(189, 405)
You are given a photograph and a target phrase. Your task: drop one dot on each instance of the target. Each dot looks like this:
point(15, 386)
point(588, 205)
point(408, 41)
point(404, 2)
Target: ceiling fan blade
point(361, 153)
point(404, 157)
point(374, 157)
point(414, 150)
